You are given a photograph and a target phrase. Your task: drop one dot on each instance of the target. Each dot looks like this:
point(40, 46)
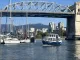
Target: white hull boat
point(25, 41)
point(9, 40)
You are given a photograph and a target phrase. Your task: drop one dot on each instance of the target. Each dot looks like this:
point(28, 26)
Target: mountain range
point(36, 26)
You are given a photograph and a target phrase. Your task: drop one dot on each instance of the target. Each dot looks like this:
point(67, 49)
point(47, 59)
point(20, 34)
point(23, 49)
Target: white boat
point(7, 40)
point(25, 41)
point(52, 39)
point(1, 38)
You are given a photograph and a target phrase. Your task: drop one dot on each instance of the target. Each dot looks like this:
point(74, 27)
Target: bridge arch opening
point(70, 12)
point(37, 23)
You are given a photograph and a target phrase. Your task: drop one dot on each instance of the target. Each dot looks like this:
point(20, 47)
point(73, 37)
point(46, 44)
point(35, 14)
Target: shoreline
point(38, 39)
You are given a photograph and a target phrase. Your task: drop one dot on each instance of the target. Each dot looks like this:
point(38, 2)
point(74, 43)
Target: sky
point(34, 20)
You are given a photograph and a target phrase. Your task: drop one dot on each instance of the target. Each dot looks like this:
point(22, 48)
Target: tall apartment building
point(52, 26)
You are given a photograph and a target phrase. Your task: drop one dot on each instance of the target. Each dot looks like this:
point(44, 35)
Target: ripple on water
point(36, 51)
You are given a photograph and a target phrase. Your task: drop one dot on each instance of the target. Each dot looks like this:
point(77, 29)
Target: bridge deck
point(36, 14)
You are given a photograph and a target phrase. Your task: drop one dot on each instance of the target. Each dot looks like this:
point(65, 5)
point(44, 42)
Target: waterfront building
point(38, 30)
point(44, 30)
point(32, 29)
point(61, 28)
point(32, 32)
point(57, 28)
point(64, 28)
point(52, 26)
point(60, 25)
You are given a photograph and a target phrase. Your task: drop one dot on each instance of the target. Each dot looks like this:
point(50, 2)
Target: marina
point(4, 39)
point(39, 30)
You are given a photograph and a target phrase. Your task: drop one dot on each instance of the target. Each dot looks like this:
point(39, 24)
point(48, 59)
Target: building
point(32, 29)
point(61, 28)
point(60, 25)
point(32, 32)
point(44, 30)
point(52, 26)
point(64, 28)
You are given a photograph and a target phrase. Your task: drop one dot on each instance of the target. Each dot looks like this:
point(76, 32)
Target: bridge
point(35, 14)
point(47, 9)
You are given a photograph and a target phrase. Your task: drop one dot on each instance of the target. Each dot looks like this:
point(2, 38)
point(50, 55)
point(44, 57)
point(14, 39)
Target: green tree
point(39, 34)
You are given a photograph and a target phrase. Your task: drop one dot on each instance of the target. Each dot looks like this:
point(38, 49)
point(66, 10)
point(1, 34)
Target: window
point(54, 35)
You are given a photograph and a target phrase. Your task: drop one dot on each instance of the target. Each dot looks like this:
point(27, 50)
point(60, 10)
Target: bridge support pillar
point(73, 23)
point(70, 28)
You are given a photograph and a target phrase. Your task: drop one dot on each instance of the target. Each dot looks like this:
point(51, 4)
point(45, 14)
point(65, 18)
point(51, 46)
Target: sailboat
point(8, 37)
point(26, 39)
point(26, 35)
point(9, 40)
point(29, 38)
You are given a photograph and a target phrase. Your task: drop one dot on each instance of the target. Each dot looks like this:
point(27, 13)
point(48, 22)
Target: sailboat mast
point(6, 28)
point(27, 25)
point(11, 24)
point(10, 8)
point(28, 30)
point(0, 21)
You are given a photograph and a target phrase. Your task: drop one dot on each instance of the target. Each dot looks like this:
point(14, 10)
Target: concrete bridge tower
point(73, 23)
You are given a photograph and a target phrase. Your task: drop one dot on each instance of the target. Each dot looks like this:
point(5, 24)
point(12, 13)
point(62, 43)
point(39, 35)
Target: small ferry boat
point(52, 39)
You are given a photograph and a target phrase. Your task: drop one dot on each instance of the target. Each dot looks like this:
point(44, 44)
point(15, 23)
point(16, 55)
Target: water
point(69, 50)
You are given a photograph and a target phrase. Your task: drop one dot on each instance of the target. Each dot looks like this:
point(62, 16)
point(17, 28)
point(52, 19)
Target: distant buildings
point(32, 32)
point(60, 25)
point(52, 26)
point(56, 28)
point(32, 29)
point(44, 30)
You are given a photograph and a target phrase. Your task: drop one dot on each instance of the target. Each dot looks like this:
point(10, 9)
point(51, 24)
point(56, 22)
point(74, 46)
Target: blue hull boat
point(52, 39)
point(51, 43)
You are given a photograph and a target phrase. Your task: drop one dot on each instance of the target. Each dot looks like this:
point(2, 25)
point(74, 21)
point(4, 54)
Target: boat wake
point(46, 45)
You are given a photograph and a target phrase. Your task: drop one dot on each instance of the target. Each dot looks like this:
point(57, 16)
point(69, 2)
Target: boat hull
point(51, 43)
point(25, 41)
point(32, 40)
point(12, 42)
point(6, 41)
